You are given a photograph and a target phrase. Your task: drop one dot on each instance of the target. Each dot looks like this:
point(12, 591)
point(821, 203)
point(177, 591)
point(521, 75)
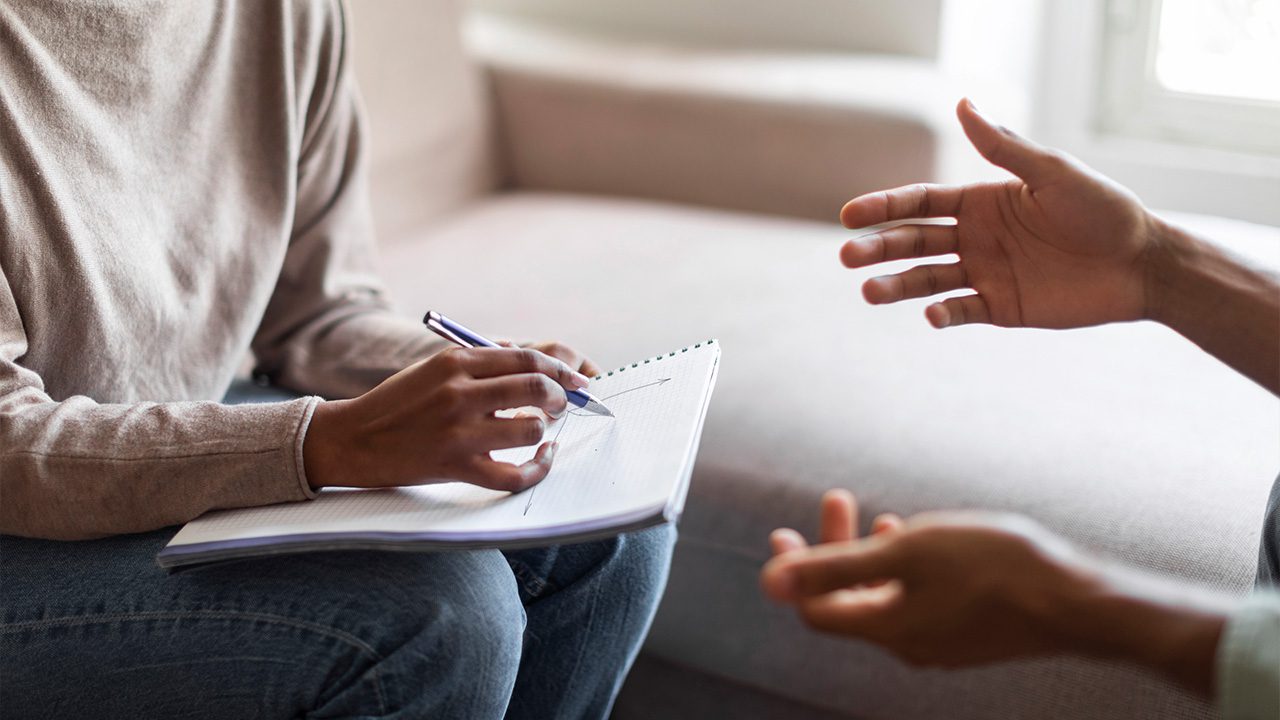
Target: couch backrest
point(891, 27)
point(428, 112)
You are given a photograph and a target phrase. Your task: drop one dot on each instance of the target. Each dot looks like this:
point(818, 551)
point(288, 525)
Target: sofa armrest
point(773, 133)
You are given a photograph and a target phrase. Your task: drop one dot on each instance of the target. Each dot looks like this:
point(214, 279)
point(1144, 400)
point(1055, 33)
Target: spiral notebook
point(609, 476)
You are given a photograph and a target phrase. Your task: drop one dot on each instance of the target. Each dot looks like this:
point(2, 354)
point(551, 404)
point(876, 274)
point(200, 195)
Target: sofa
point(632, 198)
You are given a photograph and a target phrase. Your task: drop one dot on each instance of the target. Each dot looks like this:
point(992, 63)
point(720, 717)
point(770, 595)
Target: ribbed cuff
point(300, 437)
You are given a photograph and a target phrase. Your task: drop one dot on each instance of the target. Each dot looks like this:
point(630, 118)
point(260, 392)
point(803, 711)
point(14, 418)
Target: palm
point(1059, 246)
point(1065, 256)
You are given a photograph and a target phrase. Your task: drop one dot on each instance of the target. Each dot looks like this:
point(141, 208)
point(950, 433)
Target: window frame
point(1133, 103)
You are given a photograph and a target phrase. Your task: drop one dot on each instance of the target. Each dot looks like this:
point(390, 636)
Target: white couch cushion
point(428, 109)
point(1127, 439)
point(788, 134)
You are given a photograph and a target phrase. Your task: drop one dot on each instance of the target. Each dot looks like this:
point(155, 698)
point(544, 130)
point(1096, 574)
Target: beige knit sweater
point(181, 181)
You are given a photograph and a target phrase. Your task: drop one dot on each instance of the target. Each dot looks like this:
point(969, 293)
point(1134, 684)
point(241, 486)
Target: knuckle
point(533, 430)
point(535, 386)
point(530, 360)
point(1056, 158)
point(918, 242)
point(450, 437)
point(452, 398)
point(550, 389)
point(922, 193)
point(452, 359)
point(878, 246)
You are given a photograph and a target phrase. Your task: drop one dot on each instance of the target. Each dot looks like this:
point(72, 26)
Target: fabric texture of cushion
point(1127, 439)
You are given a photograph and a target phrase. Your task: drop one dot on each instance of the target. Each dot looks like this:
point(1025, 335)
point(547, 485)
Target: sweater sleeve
point(328, 328)
point(79, 469)
point(1249, 661)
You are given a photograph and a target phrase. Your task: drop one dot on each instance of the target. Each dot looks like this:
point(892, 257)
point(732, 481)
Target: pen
point(453, 332)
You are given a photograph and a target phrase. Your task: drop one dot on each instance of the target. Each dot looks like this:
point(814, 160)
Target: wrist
point(322, 451)
point(1227, 305)
point(1118, 614)
point(1169, 263)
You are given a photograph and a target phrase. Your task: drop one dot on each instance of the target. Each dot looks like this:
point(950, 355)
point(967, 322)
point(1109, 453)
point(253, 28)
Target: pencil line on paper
point(533, 490)
point(583, 413)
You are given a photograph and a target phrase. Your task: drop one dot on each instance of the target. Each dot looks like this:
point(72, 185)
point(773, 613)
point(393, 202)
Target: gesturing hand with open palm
point(1058, 246)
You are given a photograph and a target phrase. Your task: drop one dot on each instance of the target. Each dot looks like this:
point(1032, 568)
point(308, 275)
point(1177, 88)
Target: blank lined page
point(637, 462)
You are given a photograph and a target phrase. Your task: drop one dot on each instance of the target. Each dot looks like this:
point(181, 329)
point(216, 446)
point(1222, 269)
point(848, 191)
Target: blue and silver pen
point(453, 332)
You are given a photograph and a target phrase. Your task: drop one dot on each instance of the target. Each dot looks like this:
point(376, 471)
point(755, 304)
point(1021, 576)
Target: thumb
point(824, 568)
point(1034, 163)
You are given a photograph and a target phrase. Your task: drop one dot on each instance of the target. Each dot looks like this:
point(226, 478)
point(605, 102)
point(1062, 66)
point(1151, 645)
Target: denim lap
point(97, 628)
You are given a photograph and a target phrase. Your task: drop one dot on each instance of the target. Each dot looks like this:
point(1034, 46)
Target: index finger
point(494, 362)
point(839, 511)
point(910, 202)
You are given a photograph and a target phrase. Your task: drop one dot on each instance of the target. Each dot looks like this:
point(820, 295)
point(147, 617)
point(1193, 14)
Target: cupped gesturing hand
point(1058, 246)
point(435, 422)
point(947, 589)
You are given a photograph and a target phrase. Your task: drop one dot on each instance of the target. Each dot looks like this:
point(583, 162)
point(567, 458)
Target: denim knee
point(466, 652)
point(447, 629)
point(644, 559)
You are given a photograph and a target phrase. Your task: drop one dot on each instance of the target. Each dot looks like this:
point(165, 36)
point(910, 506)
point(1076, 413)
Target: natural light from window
point(1224, 48)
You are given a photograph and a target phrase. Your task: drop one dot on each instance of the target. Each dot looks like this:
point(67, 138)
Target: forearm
point(78, 469)
point(1220, 302)
point(1122, 614)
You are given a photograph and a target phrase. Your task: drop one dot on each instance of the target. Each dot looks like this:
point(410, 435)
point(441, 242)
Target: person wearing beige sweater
point(182, 183)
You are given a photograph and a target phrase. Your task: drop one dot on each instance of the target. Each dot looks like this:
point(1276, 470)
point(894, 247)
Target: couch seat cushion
point(1126, 439)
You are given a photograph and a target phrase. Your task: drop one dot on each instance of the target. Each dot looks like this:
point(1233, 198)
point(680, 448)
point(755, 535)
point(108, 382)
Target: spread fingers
point(918, 282)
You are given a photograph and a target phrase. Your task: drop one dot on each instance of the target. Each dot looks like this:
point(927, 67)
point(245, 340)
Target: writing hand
point(1059, 246)
point(435, 422)
point(568, 355)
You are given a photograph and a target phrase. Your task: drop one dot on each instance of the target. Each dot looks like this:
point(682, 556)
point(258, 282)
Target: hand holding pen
point(457, 333)
point(434, 422)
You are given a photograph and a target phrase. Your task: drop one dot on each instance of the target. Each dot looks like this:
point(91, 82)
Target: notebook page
point(606, 467)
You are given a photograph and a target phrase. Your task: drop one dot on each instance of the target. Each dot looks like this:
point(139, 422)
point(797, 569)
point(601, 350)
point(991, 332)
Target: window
point(1195, 72)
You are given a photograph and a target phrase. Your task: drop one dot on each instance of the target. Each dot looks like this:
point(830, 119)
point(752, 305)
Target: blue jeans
point(96, 629)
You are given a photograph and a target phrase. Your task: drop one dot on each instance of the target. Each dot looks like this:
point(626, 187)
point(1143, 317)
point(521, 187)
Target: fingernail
point(580, 380)
point(551, 452)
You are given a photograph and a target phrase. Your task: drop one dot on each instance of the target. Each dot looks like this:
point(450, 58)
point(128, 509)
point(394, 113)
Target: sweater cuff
point(300, 436)
point(1248, 662)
